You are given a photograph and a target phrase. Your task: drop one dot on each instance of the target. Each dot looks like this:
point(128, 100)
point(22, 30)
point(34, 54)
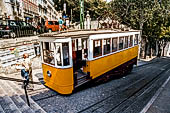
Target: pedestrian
point(26, 69)
point(60, 21)
point(67, 23)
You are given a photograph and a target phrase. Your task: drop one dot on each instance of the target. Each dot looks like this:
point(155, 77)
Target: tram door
point(63, 53)
point(80, 50)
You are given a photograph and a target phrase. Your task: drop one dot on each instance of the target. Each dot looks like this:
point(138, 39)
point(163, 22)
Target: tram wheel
point(129, 70)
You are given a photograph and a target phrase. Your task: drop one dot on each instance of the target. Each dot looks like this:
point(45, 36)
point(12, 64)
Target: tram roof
point(82, 33)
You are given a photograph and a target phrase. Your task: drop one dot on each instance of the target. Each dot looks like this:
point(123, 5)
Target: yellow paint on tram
point(102, 65)
point(61, 80)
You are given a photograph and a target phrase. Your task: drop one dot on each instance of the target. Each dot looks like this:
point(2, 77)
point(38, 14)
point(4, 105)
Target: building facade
point(32, 11)
point(46, 10)
point(10, 9)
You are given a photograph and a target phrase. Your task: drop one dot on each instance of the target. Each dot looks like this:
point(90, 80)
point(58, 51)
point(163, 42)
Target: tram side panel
point(102, 65)
point(61, 80)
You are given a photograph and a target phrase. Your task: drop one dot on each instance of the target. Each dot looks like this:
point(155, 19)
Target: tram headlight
point(49, 73)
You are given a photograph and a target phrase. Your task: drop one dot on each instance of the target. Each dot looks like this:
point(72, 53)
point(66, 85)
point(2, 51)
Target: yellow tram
point(70, 59)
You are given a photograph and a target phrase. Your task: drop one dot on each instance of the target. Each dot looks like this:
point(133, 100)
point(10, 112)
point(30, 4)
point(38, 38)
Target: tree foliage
point(150, 16)
point(96, 8)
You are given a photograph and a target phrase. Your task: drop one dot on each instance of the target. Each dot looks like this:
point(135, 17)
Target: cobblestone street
point(84, 56)
point(131, 93)
point(122, 94)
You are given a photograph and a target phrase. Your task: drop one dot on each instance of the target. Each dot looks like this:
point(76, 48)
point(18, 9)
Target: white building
point(10, 9)
point(46, 10)
point(28, 10)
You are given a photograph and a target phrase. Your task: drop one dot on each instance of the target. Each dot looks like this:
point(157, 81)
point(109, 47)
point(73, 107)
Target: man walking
point(26, 69)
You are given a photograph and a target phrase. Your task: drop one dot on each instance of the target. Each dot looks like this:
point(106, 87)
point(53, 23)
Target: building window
point(97, 47)
point(114, 44)
point(131, 41)
point(126, 42)
point(48, 53)
point(121, 42)
point(106, 45)
point(136, 39)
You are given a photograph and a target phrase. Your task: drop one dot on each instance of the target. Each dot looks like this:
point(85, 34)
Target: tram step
point(19, 93)
point(80, 74)
point(81, 82)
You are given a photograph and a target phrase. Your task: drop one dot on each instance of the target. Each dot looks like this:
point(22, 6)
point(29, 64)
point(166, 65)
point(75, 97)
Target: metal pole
point(71, 14)
point(25, 88)
point(81, 14)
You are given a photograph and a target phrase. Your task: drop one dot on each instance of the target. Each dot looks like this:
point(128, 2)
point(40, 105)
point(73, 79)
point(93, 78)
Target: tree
point(71, 5)
point(96, 8)
point(147, 16)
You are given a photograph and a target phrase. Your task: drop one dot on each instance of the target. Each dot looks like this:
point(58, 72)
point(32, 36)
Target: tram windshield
point(65, 47)
point(56, 54)
point(48, 53)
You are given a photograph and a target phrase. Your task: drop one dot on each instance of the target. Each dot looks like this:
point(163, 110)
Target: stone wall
point(36, 64)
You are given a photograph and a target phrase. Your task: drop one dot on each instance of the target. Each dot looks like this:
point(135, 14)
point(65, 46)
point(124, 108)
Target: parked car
point(13, 28)
point(53, 26)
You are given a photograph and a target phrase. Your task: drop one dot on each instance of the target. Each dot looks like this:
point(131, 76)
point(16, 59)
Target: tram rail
point(126, 87)
point(137, 94)
point(150, 89)
point(140, 91)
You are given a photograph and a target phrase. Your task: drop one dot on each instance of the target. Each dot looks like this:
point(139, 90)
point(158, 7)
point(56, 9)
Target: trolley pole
point(81, 14)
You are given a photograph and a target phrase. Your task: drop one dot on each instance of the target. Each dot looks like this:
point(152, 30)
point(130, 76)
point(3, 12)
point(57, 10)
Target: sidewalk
point(160, 102)
point(141, 62)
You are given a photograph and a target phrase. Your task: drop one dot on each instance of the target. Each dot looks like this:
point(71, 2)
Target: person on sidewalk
point(26, 69)
point(60, 21)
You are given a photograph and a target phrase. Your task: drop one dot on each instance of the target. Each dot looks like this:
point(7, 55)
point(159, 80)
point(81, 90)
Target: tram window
point(126, 42)
point(74, 45)
point(79, 44)
point(97, 48)
point(121, 42)
point(84, 43)
point(58, 54)
point(136, 39)
point(48, 53)
point(84, 48)
point(74, 49)
point(106, 44)
point(114, 44)
point(65, 47)
point(130, 40)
